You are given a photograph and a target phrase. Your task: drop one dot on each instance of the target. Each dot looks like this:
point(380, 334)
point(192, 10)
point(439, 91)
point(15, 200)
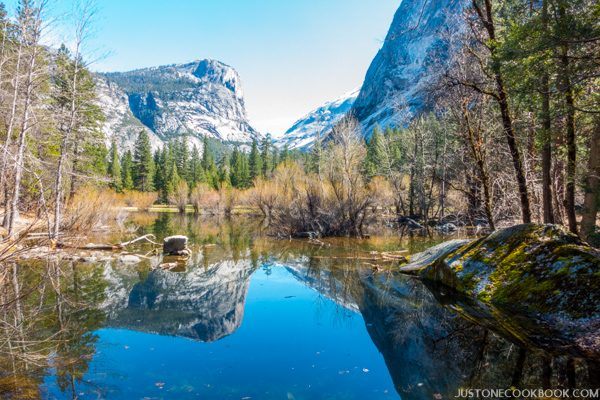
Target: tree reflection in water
point(432, 343)
point(49, 312)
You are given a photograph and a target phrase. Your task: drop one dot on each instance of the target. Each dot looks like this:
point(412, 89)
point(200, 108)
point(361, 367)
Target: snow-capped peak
point(317, 122)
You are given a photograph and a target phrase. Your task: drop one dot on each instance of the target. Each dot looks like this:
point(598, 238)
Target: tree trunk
point(14, 204)
point(63, 151)
point(570, 139)
point(592, 186)
point(74, 167)
point(488, 22)
point(546, 134)
point(9, 129)
point(30, 35)
point(476, 144)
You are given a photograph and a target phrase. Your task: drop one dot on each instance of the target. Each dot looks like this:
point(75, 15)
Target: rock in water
point(448, 227)
point(421, 260)
point(175, 245)
point(542, 271)
point(542, 267)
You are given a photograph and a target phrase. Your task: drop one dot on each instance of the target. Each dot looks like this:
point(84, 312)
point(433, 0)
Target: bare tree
point(71, 96)
point(490, 81)
point(31, 26)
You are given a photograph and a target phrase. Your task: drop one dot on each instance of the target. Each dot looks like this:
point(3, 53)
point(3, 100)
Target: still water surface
point(254, 318)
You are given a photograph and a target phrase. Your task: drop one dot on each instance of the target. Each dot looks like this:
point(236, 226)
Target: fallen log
point(111, 247)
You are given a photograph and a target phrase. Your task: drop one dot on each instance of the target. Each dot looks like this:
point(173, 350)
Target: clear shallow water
point(249, 317)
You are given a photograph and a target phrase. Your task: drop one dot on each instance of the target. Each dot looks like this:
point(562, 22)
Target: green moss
point(541, 268)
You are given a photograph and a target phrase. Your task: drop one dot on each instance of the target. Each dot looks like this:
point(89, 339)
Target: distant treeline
point(215, 164)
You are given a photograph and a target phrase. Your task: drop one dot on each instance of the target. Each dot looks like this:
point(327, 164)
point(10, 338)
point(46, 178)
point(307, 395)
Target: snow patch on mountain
point(397, 86)
point(317, 122)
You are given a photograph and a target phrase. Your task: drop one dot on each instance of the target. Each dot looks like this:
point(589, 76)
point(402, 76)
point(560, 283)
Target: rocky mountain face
point(120, 124)
point(397, 84)
point(317, 122)
point(195, 99)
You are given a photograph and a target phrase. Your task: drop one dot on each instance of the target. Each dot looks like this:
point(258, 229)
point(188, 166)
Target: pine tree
point(265, 155)
point(244, 171)
point(143, 164)
point(161, 173)
point(315, 157)
point(182, 156)
point(208, 159)
point(285, 154)
point(255, 161)
point(127, 170)
point(224, 175)
point(240, 171)
point(235, 161)
point(374, 150)
point(173, 179)
point(114, 168)
point(196, 174)
point(275, 158)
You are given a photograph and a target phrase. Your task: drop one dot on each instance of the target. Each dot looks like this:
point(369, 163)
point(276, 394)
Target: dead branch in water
point(111, 247)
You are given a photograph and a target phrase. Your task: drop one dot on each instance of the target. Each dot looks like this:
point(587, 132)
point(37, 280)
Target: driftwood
point(111, 247)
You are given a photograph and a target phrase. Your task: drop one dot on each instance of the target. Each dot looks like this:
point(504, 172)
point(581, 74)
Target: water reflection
point(48, 315)
point(432, 344)
point(204, 303)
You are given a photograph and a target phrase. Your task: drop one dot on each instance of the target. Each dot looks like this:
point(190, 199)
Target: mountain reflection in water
point(266, 319)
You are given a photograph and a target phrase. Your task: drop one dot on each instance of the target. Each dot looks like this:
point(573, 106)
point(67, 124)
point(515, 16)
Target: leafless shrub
point(264, 195)
point(336, 201)
point(179, 197)
point(140, 200)
point(89, 209)
point(228, 199)
point(204, 199)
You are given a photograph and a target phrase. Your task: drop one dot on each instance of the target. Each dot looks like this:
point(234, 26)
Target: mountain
point(319, 121)
point(120, 124)
point(397, 84)
point(198, 98)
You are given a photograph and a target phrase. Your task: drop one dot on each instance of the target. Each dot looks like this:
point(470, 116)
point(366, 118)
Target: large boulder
point(542, 271)
point(175, 245)
point(419, 261)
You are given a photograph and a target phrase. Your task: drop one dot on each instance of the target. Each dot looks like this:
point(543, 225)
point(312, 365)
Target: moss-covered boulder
point(417, 262)
point(542, 271)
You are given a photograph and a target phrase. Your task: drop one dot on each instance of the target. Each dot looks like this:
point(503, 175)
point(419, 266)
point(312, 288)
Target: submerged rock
point(129, 259)
point(542, 271)
point(410, 223)
point(448, 227)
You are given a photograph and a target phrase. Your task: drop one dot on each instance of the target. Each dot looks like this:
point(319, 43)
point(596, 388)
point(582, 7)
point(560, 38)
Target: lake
point(252, 317)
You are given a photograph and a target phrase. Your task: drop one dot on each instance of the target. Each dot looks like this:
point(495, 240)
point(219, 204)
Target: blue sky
point(292, 55)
